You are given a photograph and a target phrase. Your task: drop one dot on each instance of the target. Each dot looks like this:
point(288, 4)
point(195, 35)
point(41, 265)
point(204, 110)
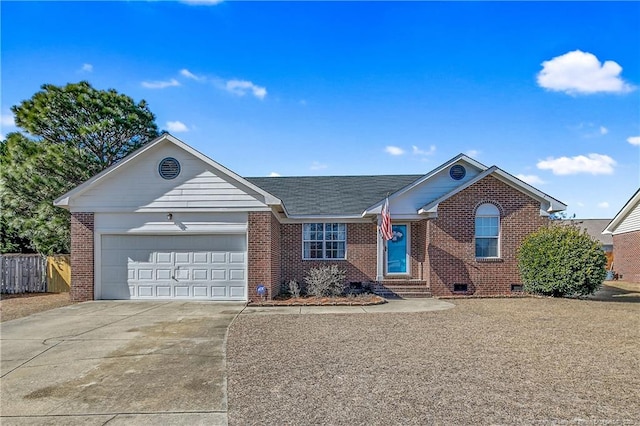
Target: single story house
point(625, 228)
point(167, 222)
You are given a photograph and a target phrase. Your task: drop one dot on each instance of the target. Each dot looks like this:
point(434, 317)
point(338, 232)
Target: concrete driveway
point(117, 362)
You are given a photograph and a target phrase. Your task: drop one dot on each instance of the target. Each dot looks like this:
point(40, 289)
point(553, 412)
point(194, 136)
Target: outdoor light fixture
point(169, 216)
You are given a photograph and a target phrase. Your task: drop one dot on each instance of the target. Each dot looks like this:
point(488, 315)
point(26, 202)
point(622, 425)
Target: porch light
point(169, 216)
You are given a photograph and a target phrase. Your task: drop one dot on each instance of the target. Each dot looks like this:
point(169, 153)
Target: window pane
point(335, 250)
point(487, 226)
point(324, 240)
point(486, 247)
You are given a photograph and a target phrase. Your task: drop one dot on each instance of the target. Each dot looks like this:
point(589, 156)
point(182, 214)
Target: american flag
point(385, 224)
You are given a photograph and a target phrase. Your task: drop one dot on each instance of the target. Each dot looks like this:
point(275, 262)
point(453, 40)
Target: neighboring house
point(168, 222)
point(625, 228)
point(595, 228)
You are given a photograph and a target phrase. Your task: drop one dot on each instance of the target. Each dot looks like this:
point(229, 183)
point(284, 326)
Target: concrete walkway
point(402, 305)
point(133, 363)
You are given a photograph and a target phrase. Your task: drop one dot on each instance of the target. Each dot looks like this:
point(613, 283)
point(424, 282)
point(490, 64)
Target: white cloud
point(160, 84)
point(316, 165)
point(242, 87)
point(418, 151)
point(393, 150)
point(201, 2)
point(274, 174)
point(7, 120)
point(603, 205)
point(2, 137)
point(634, 140)
point(177, 126)
point(530, 179)
point(472, 153)
point(603, 130)
point(595, 164)
point(86, 68)
point(188, 74)
point(582, 72)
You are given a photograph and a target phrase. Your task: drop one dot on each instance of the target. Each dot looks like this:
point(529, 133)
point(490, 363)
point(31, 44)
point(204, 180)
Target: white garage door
point(204, 267)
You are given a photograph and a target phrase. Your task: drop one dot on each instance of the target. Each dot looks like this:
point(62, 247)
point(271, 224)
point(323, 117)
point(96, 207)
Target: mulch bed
point(322, 301)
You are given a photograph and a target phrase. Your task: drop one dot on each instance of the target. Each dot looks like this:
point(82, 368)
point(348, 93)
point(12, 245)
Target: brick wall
point(626, 255)
point(360, 263)
point(82, 257)
point(451, 244)
point(263, 254)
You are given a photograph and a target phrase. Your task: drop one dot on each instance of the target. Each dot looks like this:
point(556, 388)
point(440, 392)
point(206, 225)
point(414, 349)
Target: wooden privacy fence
point(59, 273)
point(23, 273)
point(34, 273)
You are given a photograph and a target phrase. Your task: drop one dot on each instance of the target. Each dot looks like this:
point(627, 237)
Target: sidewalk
point(402, 305)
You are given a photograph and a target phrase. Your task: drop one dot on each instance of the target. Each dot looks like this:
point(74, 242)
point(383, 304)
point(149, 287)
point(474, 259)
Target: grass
point(486, 361)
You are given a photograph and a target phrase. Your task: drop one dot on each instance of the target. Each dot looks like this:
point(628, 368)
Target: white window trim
point(408, 254)
point(498, 237)
point(324, 259)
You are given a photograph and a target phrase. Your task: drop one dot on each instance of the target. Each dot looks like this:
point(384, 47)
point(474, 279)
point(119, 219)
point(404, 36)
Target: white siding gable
point(407, 204)
point(138, 187)
point(631, 222)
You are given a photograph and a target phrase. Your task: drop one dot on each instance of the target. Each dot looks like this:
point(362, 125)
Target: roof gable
point(628, 218)
point(548, 204)
point(134, 184)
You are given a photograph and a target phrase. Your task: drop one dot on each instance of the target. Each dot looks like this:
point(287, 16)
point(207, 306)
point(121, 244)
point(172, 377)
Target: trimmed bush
point(294, 288)
point(561, 260)
point(326, 281)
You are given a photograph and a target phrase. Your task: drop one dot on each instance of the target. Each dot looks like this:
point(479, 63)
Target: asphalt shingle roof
point(331, 195)
point(594, 228)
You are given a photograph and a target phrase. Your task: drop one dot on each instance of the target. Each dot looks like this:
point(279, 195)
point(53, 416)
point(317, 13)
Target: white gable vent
point(169, 168)
point(457, 172)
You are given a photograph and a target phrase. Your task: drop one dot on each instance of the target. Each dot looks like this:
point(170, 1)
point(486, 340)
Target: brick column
point(263, 253)
point(82, 272)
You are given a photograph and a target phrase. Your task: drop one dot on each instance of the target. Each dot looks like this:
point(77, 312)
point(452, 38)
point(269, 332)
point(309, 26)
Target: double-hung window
point(487, 231)
point(324, 240)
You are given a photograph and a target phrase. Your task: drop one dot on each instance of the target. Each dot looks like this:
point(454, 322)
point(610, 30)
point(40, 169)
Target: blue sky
point(547, 91)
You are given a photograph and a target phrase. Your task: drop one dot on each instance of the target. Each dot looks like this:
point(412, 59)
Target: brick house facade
point(625, 227)
point(207, 233)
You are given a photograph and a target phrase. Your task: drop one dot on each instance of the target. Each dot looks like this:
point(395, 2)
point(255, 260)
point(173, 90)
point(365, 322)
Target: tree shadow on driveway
point(617, 291)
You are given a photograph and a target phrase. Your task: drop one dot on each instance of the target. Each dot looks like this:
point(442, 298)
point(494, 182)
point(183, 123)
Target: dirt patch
point(487, 361)
point(13, 306)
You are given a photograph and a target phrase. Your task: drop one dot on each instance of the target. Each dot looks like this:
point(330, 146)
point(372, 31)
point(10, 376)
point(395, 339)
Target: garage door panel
point(199, 258)
point(218, 274)
point(200, 291)
point(236, 274)
point(219, 291)
point(163, 274)
point(236, 291)
point(200, 274)
point(173, 267)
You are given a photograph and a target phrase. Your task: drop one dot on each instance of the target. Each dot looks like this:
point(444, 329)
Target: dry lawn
point(485, 362)
point(21, 305)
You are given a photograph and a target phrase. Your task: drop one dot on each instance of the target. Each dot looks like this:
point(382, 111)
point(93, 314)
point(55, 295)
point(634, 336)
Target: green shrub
point(325, 281)
point(561, 260)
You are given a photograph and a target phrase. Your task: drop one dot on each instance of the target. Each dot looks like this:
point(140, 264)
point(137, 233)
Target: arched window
point(487, 231)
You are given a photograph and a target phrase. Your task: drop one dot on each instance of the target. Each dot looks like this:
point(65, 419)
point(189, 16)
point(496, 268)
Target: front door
point(397, 250)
